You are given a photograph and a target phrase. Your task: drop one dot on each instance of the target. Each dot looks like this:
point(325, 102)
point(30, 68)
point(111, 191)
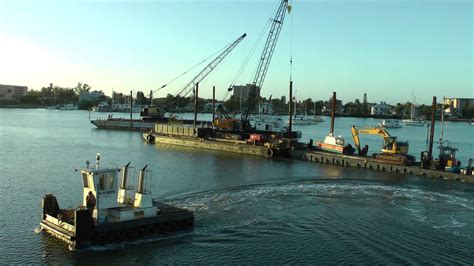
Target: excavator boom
point(369, 131)
point(393, 151)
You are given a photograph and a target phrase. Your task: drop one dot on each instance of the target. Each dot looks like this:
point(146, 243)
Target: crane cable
point(254, 48)
point(244, 65)
point(190, 69)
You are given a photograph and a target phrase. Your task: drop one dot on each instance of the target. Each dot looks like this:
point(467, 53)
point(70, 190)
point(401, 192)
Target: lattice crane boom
point(265, 58)
point(209, 68)
point(270, 44)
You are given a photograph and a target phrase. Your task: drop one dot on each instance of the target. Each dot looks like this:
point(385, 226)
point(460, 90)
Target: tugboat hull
point(78, 229)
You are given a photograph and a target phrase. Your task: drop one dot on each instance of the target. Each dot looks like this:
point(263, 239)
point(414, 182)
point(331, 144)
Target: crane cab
point(391, 145)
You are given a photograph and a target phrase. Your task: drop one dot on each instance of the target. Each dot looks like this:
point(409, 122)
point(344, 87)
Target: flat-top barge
point(371, 163)
point(143, 125)
point(267, 144)
point(111, 211)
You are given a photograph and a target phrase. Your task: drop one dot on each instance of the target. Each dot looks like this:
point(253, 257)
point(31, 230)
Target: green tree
point(233, 104)
point(355, 108)
point(468, 112)
point(307, 106)
point(81, 89)
point(29, 99)
point(141, 99)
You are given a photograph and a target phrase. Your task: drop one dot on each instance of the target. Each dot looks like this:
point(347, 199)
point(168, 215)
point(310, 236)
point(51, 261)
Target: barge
point(370, 163)
point(136, 124)
point(256, 143)
point(123, 124)
point(112, 211)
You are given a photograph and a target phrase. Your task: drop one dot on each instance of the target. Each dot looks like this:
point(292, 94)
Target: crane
point(393, 151)
point(155, 114)
point(210, 67)
point(265, 58)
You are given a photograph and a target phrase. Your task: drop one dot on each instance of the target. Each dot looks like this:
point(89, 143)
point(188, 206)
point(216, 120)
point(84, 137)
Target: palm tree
point(81, 89)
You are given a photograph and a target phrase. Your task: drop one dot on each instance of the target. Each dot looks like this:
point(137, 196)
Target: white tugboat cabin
point(111, 211)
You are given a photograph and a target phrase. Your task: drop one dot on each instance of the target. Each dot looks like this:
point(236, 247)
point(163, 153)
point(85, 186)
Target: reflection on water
point(249, 210)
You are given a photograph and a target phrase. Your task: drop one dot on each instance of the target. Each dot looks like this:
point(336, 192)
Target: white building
point(10, 93)
point(90, 96)
point(459, 103)
point(381, 109)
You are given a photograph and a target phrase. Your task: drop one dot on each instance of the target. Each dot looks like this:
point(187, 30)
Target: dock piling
point(290, 109)
point(333, 112)
point(196, 104)
point(433, 114)
point(213, 103)
point(469, 167)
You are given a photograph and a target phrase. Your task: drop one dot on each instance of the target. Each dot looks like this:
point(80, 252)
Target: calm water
point(249, 210)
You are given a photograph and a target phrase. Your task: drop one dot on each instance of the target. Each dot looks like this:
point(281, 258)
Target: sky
point(389, 49)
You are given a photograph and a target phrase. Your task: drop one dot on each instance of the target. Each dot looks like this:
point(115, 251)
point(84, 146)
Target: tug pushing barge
point(112, 212)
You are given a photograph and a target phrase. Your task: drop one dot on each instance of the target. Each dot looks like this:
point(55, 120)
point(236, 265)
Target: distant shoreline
point(281, 114)
point(23, 106)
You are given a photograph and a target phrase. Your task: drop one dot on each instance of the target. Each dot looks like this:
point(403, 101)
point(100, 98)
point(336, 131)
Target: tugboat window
point(110, 181)
point(106, 181)
point(84, 180)
point(102, 182)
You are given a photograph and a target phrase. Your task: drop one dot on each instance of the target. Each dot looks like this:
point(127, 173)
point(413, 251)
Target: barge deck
point(233, 146)
point(370, 163)
point(135, 124)
point(323, 157)
point(123, 124)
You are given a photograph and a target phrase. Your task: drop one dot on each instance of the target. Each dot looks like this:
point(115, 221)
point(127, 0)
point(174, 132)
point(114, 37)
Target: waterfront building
point(381, 109)
point(91, 96)
point(12, 93)
point(459, 103)
point(242, 92)
point(451, 112)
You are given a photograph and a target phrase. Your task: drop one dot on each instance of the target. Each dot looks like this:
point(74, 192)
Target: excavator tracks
point(395, 158)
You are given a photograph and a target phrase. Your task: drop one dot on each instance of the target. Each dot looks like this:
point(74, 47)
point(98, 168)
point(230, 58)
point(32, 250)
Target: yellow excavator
point(393, 151)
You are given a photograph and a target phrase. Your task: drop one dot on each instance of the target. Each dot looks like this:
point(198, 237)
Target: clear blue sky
point(387, 49)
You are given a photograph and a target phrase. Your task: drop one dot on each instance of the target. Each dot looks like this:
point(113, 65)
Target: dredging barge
point(256, 143)
point(394, 157)
point(370, 163)
point(279, 146)
point(111, 211)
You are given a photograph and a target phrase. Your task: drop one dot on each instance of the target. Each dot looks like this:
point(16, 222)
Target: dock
point(370, 163)
point(188, 136)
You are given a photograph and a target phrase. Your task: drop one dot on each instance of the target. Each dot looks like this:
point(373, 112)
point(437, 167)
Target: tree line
point(58, 95)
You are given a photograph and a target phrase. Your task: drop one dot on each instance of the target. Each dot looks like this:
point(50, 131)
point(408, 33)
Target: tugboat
point(332, 142)
point(111, 211)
